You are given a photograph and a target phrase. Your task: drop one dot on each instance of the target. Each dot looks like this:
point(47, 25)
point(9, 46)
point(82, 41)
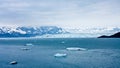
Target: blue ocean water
point(100, 53)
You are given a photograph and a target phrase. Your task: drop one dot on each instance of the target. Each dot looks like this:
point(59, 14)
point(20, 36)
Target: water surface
point(100, 53)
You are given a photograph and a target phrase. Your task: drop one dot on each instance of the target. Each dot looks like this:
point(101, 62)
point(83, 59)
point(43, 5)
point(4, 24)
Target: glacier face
point(93, 32)
point(56, 32)
point(83, 32)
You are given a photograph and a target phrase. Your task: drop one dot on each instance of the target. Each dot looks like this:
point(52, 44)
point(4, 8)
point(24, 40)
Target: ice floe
point(13, 62)
point(29, 44)
point(60, 55)
point(75, 49)
point(25, 48)
point(62, 42)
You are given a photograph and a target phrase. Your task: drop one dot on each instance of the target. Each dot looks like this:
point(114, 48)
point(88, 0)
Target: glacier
point(56, 32)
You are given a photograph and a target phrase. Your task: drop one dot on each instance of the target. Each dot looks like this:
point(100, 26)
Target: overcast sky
point(66, 13)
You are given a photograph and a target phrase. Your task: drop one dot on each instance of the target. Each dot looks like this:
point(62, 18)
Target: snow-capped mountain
point(29, 31)
point(56, 32)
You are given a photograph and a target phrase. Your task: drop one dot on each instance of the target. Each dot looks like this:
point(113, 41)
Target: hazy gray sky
point(66, 13)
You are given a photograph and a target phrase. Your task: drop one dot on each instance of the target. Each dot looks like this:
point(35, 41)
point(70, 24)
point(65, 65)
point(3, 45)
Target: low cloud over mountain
point(54, 31)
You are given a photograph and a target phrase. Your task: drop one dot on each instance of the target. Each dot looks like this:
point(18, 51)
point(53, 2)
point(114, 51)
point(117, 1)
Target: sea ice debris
point(62, 42)
point(60, 55)
point(25, 48)
point(13, 62)
point(75, 49)
point(29, 44)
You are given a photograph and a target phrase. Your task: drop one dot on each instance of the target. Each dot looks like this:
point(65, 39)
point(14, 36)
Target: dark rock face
point(116, 35)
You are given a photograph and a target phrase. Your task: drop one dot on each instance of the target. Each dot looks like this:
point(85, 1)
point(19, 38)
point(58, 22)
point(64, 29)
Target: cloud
point(72, 13)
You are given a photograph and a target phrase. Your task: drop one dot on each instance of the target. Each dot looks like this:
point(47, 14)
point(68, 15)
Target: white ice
point(13, 62)
point(75, 49)
point(25, 48)
point(29, 44)
point(60, 55)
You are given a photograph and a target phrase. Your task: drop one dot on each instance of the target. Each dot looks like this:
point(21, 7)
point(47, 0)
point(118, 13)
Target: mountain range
point(56, 32)
point(29, 31)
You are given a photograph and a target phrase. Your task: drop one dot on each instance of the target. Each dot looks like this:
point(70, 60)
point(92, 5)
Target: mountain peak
point(29, 31)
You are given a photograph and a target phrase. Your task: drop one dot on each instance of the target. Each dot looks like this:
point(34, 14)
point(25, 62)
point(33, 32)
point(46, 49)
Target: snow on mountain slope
point(29, 31)
point(56, 32)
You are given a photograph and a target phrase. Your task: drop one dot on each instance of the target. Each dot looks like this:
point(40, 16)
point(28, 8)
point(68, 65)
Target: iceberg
point(29, 44)
point(25, 48)
point(13, 62)
point(60, 55)
point(75, 49)
point(62, 42)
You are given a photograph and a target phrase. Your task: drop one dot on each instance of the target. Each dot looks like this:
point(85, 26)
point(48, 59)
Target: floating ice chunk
point(60, 55)
point(62, 42)
point(29, 44)
point(13, 62)
point(75, 49)
point(25, 48)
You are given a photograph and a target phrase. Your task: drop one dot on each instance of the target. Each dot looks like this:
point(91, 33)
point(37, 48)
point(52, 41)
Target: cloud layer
point(66, 13)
